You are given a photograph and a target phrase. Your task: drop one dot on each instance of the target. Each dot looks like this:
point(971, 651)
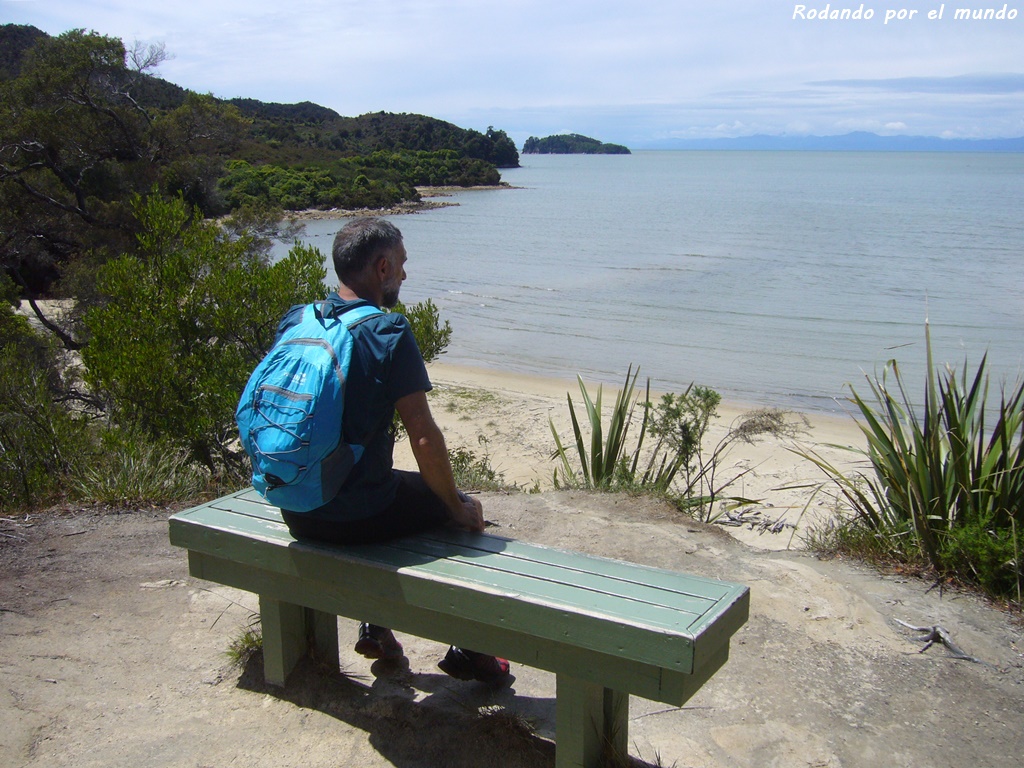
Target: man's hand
point(470, 515)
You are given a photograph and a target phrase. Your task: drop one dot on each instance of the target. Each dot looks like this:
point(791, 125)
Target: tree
point(76, 142)
point(185, 320)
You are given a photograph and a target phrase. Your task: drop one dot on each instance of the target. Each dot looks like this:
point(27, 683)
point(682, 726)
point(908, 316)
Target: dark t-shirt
point(386, 366)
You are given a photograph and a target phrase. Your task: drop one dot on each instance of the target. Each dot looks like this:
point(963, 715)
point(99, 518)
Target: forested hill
point(289, 131)
point(290, 134)
point(571, 144)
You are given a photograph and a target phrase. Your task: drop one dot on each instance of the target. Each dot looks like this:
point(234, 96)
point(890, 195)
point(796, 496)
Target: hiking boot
point(470, 665)
point(377, 643)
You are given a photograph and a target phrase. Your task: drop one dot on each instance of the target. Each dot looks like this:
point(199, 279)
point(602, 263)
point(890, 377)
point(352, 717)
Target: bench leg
point(591, 722)
point(289, 632)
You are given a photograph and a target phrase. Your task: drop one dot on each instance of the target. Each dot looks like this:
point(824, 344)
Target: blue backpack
point(289, 416)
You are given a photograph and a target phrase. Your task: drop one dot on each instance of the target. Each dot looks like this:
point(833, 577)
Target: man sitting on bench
point(387, 373)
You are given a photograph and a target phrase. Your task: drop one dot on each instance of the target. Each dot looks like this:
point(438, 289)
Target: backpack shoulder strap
point(355, 313)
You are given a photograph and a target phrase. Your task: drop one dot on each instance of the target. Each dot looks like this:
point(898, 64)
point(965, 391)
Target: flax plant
point(945, 482)
point(606, 453)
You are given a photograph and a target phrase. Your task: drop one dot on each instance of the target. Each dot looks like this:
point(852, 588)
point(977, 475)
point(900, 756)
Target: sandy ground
point(111, 655)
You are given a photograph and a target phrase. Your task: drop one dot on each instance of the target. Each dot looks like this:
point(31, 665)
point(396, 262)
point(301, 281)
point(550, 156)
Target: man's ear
point(384, 266)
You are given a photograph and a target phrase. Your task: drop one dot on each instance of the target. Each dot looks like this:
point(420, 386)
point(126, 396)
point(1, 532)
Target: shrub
point(432, 336)
point(679, 424)
point(41, 439)
point(947, 480)
point(185, 321)
point(475, 473)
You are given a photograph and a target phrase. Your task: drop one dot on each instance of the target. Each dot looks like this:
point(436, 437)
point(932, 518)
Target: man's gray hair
point(359, 241)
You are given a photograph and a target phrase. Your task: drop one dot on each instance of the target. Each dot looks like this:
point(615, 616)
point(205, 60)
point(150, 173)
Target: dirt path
point(112, 656)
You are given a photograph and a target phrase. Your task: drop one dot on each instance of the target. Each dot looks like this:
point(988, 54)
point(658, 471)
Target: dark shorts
point(415, 509)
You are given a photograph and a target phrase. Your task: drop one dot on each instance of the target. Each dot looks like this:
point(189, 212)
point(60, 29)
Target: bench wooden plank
point(618, 569)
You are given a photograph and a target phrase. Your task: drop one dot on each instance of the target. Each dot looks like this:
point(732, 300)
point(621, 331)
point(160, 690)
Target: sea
point(784, 279)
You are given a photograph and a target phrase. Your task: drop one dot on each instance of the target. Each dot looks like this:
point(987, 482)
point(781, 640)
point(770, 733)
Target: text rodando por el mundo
point(830, 12)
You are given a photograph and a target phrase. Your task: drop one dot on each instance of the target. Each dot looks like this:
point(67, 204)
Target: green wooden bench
point(606, 628)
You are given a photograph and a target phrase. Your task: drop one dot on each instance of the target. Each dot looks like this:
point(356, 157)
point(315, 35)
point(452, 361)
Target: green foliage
point(347, 184)
point(15, 42)
point(432, 336)
point(571, 144)
point(287, 134)
point(475, 473)
point(606, 461)
point(131, 468)
point(444, 167)
point(947, 483)
point(185, 322)
point(679, 424)
point(41, 440)
point(392, 152)
point(378, 180)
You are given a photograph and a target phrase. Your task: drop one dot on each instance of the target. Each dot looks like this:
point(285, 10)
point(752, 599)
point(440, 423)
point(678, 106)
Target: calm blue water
point(774, 277)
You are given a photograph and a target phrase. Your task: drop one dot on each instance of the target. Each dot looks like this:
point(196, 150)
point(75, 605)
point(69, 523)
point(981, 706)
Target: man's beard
point(390, 297)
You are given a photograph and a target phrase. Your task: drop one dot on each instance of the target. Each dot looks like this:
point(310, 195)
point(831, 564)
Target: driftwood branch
point(936, 634)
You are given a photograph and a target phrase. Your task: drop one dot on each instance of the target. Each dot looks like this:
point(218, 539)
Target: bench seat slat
point(628, 572)
point(581, 573)
point(266, 529)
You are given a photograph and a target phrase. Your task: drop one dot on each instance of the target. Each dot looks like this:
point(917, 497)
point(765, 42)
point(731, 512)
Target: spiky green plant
point(605, 455)
point(945, 481)
point(132, 469)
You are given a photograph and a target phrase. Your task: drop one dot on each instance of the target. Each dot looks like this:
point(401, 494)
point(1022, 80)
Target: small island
point(571, 144)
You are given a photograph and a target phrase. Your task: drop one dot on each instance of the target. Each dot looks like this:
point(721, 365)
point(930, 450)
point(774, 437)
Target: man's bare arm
point(431, 454)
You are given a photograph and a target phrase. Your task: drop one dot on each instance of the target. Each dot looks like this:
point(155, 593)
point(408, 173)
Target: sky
point(630, 73)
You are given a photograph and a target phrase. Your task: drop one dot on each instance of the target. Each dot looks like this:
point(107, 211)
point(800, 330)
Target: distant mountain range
point(860, 141)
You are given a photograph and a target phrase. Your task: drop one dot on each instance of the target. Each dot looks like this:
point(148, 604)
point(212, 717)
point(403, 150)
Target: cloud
point(965, 84)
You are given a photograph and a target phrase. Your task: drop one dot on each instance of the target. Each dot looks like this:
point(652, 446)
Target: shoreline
point(426, 203)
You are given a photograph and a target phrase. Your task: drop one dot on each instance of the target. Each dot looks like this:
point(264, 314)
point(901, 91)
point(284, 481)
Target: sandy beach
point(507, 416)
